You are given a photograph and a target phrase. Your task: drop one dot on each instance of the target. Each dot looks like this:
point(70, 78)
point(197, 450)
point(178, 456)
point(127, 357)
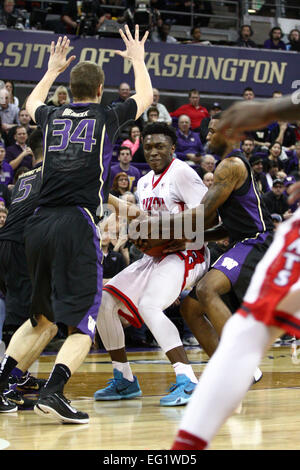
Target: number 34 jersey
point(78, 144)
point(24, 201)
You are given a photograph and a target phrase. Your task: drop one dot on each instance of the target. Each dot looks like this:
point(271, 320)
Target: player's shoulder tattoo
point(229, 171)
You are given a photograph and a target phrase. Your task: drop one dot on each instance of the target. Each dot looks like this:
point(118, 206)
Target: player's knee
point(204, 293)
point(145, 307)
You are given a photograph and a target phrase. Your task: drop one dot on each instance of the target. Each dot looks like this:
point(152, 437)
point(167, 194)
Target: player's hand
point(243, 116)
point(175, 245)
point(135, 49)
point(58, 61)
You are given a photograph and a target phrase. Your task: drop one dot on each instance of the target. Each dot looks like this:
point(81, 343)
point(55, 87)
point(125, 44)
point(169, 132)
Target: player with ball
point(141, 292)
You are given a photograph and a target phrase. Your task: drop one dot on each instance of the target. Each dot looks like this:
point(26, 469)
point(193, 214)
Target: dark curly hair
point(160, 128)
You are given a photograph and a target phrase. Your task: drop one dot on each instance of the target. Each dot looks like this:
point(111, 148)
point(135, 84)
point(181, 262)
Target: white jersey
point(179, 187)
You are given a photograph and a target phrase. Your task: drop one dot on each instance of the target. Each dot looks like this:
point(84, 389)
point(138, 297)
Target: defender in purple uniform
point(246, 221)
point(63, 246)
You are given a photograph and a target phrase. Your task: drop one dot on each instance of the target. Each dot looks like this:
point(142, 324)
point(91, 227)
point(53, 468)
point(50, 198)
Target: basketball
point(155, 247)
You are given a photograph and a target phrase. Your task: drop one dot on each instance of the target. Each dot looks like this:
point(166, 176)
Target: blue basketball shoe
point(181, 392)
point(119, 388)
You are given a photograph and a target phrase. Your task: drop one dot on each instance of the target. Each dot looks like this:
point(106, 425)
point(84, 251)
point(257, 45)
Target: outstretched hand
point(134, 47)
point(58, 61)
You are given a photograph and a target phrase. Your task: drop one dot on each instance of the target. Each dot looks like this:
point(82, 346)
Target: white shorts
point(128, 286)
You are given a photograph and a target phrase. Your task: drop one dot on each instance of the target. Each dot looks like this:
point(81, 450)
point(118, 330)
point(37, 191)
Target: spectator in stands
point(72, 14)
point(134, 139)
point(248, 147)
point(8, 112)
point(162, 33)
point(276, 200)
point(294, 40)
point(120, 184)
point(288, 181)
point(113, 261)
point(203, 131)
point(60, 97)
point(272, 171)
point(248, 94)
point(274, 156)
point(196, 37)
point(5, 196)
point(13, 99)
point(6, 171)
point(193, 109)
point(125, 159)
point(152, 114)
point(164, 115)
point(274, 41)
point(19, 154)
point(24, 120)
point(244, 37)
point(207, 165)
point(284, 133)
point(256, 163)
point(124, 93)
point(189, 146)
point(277, 219)
point(9, 13)
point(208, 179)
point(3, 216)
point(293, 159)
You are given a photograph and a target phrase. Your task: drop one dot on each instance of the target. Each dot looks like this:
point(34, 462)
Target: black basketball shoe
point(56, 405)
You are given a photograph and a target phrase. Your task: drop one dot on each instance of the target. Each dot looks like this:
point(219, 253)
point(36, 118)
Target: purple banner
point(210, 69)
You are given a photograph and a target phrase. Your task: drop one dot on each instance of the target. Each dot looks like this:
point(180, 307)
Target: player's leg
point(67, 275)
point(162, 289)
point(200, 326)
point(124, 384)
point(270, 307)
point(225, 380)
point(209, 291)
point(25, 340)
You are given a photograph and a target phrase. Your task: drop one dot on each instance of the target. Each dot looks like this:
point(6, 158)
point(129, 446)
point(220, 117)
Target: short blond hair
point(85, 79)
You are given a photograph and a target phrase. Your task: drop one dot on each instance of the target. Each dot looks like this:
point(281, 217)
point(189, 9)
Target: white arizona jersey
point(179, 187)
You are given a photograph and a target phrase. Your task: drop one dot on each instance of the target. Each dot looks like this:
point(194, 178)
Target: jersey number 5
point(82, 134)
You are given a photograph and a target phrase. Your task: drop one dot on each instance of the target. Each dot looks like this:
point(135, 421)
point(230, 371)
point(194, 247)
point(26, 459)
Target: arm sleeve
point(189, 187)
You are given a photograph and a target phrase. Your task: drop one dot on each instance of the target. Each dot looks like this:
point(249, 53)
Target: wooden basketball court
point(269, 417)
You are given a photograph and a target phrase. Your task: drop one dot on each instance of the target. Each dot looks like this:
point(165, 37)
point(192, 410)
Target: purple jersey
point(132, 172)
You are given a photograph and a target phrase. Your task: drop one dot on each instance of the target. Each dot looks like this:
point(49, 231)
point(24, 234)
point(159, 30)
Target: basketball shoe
point(56, 405)
point(7, 406)
point(119, 388)
point(29, 384)
point(180, 392)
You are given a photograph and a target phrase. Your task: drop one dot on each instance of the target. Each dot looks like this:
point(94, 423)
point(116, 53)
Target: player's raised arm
point(57, 64)
point(251, 115)
point(135, 52)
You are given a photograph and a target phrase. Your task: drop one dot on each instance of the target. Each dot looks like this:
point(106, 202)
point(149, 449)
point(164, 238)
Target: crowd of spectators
point(273, 154)
point(86, 17)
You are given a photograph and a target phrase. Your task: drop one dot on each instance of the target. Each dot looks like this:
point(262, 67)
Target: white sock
point(125, 368)
point(186, 369)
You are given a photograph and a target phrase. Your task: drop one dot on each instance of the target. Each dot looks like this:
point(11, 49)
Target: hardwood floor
point(268, 419)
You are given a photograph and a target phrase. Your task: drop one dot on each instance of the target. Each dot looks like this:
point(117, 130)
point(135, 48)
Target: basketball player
point(249, 226)
point(270, 307)
point(14, 275)
point(141, 292)
point(61, 238)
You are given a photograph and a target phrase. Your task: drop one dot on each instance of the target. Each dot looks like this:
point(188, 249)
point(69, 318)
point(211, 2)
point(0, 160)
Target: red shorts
point(276, 277)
